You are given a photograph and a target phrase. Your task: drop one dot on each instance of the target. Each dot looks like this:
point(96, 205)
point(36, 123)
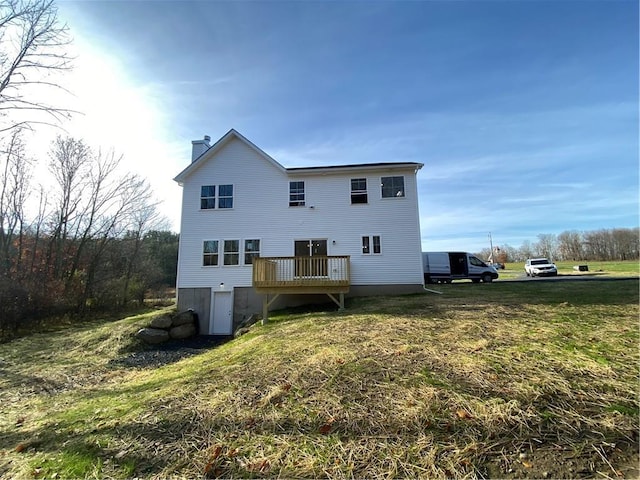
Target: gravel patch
point(169, 352)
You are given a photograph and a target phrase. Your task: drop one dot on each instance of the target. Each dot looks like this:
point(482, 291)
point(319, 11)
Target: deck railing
point(304, 273)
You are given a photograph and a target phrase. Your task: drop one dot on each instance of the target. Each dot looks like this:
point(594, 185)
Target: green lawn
point(507, 380)
point(629, 268)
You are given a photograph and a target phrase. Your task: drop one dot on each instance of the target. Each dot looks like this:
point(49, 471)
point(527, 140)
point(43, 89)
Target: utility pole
point(491, 246)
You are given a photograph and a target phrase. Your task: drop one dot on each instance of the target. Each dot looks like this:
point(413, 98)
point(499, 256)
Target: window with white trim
point(392, 187)
point(208, 197)
point(359, 190)
point(296, 194)
point(371, 245)
point(210, 253)
point(251, 250)
point(231, 252)
point(225, 196)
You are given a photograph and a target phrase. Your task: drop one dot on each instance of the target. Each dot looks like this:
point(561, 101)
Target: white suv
point(539, 266)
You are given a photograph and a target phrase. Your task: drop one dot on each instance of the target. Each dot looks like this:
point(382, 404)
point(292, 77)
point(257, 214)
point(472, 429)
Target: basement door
point(311, 267)
point(221, 321)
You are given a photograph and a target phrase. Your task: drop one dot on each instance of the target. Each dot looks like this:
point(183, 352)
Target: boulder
point(183, 318)
point(152, 335)
point(161, 321)
point(241, 331)
point(183, 331)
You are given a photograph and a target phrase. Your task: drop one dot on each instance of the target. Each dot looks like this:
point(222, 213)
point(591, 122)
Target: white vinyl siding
point(261, 211)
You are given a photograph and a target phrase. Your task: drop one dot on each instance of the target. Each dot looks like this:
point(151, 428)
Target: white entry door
point(221, 321)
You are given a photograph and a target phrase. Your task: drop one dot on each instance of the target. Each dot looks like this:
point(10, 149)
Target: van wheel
point(487, 278)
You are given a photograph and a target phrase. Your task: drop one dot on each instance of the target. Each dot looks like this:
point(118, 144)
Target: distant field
point(615, 269)
point(502, 380)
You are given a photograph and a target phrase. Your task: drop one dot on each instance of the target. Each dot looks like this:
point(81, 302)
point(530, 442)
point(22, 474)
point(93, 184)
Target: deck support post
point(340, 302)
point(265, 307)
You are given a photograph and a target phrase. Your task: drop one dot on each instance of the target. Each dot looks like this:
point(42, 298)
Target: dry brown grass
point(483, 381)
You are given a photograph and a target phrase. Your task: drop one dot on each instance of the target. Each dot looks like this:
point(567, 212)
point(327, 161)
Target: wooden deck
point(299, 275)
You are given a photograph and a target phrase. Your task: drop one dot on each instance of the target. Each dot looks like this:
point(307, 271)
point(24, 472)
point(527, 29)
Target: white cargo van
point(449, 266)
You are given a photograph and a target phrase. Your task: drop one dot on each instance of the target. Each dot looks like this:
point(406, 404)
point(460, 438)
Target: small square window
point(392, 187)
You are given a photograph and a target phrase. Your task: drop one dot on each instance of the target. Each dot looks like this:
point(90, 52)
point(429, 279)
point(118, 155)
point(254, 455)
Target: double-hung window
point(296, 194)
point(231, 252)
point(371, 245)
point(208, 197)
point(225, 196)
point(210, 253)
point(358, 190)
point(392, 187)
point(251, 250)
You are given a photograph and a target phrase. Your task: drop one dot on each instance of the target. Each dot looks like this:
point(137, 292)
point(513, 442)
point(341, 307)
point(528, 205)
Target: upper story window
point(392, 187)
point(296, 194)
point(208, 197)
point(210, 253)
point(225, 196)
point(359, 190)
point(251, 250)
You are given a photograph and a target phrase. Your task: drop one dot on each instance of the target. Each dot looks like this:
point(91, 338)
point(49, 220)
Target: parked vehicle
point(444, 267)
point(535, 267)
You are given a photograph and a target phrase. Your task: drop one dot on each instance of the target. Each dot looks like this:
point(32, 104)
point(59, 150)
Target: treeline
point(93, 239)
point(598, 245)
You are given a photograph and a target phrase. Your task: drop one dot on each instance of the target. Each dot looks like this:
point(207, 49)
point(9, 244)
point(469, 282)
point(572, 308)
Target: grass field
point(502, 380)
point(630, 268)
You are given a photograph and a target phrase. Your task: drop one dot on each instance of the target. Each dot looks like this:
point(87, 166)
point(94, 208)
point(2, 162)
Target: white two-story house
point(256, 236)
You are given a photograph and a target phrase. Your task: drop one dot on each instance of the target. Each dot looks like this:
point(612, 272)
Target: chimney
point(199, 147)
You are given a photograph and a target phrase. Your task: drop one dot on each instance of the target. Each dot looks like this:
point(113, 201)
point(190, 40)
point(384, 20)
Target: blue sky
point(524, 113)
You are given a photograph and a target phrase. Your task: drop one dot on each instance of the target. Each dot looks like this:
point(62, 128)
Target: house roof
point(356, 167)
point(321, 170)
point(226, 138)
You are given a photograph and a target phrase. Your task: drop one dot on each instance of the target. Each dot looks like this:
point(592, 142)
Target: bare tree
point(570, 245)
point(14, 189)
point(70, 164)
point(597, 245)
point(547, 246)
point(33, 50)
point(625, 243)
point(145, 218)
point(526, 250)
